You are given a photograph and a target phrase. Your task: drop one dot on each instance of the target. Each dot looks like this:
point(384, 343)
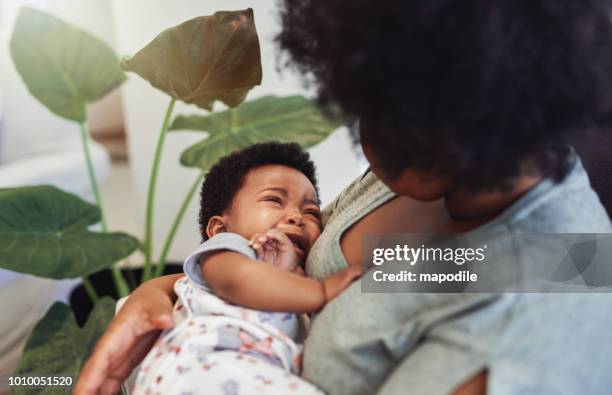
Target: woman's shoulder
point(566, 205)
point(363, 191)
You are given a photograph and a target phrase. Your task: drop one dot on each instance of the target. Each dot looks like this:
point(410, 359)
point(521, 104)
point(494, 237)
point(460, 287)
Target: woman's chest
point(340, 243)
point(399, 215)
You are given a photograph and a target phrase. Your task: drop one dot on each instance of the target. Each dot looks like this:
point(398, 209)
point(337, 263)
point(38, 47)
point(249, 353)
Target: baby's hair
point(226, 177)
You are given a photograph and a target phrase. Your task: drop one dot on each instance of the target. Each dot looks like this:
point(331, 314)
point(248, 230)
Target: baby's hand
point(338, 281)
point(275, 248)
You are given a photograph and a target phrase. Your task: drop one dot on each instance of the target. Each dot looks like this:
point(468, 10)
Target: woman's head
point(468, 90)
point(264, 186)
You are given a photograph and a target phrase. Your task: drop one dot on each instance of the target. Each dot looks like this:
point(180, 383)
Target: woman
point(461, 107)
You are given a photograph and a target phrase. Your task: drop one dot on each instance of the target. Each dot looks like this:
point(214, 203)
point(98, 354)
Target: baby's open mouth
point(298, 241)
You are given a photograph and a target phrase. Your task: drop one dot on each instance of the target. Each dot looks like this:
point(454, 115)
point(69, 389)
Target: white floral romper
point(219, 348)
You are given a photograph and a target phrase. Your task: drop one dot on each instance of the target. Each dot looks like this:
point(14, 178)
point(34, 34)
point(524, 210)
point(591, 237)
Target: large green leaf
point(62, 66)
point(285, 119)
point(59, 347)
point(205, 59)
point(43, 231)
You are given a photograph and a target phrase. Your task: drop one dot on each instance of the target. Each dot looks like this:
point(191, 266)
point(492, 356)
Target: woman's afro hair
point(470, 87)
point(227, 176)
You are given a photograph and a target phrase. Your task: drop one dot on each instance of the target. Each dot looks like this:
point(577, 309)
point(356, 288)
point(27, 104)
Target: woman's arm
point(249, 283)
point(129, 336)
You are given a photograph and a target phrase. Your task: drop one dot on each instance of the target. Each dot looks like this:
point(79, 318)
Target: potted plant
point(48, 232)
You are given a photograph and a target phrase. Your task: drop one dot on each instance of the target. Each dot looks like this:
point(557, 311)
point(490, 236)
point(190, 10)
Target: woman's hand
point(129, 337)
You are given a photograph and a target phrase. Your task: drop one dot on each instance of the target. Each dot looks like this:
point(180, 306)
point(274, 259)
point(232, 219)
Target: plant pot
point(102, 282)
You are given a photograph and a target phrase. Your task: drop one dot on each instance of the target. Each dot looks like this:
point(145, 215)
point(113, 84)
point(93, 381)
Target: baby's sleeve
point(221, 241)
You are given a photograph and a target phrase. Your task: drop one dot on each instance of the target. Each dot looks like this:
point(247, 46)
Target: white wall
point(137, 22)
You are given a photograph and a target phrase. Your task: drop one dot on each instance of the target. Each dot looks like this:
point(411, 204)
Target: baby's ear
point(216, 224)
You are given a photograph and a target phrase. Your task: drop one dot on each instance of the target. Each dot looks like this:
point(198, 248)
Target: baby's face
point(276, 196)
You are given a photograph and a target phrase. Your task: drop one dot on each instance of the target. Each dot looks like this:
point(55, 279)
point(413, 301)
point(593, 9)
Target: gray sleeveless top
point(362, 196)
point(391, 344)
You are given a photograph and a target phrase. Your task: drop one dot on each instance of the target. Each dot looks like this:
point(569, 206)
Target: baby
point(236, 328)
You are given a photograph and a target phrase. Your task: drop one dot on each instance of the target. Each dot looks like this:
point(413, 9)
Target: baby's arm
point(249, 283)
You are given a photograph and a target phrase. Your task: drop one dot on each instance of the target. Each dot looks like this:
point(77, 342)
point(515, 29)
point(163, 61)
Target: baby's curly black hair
point(470, 87)
point(227, 176)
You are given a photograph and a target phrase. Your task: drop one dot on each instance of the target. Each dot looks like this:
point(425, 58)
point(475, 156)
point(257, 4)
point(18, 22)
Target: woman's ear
point(216, 224)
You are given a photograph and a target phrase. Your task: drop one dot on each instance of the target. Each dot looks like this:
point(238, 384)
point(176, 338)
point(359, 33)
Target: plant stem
point(233, 119)
point(177, 221)
point(92, 175)
point(146, 273)
point(90, 290)
point(120, 284)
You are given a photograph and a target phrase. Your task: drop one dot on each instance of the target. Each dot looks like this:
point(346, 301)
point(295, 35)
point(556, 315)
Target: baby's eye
point(274, 199)
point(314, 213)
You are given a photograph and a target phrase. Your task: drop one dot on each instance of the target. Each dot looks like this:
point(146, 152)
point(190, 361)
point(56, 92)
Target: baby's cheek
point(258, 223)
point(314, 234)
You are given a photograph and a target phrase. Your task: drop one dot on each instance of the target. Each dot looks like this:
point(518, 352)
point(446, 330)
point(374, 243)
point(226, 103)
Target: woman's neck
point(483, 206)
